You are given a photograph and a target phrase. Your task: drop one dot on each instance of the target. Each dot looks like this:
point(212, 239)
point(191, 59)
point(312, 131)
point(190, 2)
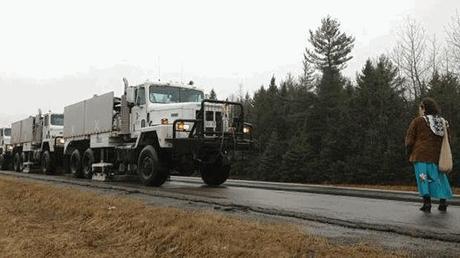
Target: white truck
point(5, 148)
point(154, 129)
point(38, 142)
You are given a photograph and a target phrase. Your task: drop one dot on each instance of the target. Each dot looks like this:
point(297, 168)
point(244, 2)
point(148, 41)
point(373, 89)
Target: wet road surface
point(386, 215)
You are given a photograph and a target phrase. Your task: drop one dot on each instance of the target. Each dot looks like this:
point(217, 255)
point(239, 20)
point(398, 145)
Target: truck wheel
point(150, 171)
point(46, 163)
point(23, 159)
point(216, 173)
point(75, 164)
point(17, 163)
point(87, 163)
point(3, 163)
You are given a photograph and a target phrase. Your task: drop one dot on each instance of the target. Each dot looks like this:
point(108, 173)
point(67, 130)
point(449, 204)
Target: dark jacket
point(422, 144)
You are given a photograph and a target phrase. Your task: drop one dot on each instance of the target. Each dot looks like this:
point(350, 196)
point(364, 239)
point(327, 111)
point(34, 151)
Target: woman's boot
point(442, 205)
point(426, 205)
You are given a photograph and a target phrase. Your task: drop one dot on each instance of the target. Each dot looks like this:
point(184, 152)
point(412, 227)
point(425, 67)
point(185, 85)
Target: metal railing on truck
point(198, 128)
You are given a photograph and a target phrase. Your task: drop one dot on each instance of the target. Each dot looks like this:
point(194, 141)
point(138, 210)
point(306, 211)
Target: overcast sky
point(54, 53)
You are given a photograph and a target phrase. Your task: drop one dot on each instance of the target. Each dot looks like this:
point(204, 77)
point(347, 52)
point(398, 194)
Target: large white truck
point(5, 148)
point(38, 142)
point(154, 129)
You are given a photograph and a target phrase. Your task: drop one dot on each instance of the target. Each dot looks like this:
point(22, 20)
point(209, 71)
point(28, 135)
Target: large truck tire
point(75, 164)
point(17, 162)
point(87, 163)
point(46, 163)
point(66, 164)
point(23, 159)
point(149, 168)
point(3, 162)
point(215, 174)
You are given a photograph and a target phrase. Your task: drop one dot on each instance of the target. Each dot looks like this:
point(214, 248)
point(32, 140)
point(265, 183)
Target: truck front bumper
point(224, 143)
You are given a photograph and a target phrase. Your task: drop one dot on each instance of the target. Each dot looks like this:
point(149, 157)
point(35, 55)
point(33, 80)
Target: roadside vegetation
point(41, 220)
point(323, 127)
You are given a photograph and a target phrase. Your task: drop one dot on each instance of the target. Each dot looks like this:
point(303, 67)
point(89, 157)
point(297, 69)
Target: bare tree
point(410, 56)
point(446, 60)
point(434, 62)
point(453, 33)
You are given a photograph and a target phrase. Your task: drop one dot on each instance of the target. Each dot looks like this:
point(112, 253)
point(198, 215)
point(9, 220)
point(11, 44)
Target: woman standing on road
point(423, 143)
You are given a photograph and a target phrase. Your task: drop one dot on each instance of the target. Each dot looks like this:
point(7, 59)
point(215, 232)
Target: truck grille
point(209, 116)
point(213, 122)
point(219, 122)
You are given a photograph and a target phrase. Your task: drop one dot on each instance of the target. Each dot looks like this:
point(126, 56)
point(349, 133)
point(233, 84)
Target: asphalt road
point(402, 217)
point(386, 215)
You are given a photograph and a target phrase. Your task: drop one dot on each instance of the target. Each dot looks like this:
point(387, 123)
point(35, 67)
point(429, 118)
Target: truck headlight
point(181, 126)
point(9, 147)
point(60, 141)
point(247, 130)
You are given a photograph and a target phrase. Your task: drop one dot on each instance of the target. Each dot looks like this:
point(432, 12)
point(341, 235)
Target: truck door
point(139, 112)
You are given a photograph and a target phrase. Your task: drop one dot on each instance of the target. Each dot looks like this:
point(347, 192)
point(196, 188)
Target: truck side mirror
point(130, 95)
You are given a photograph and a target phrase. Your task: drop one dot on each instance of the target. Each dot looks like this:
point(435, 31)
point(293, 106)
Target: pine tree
point(212, 95)
point(331, 47)
point(306, 80)
point(377, 146)
point(296, 165)
point(270, 160)
point(266, 113)
point(330, 50)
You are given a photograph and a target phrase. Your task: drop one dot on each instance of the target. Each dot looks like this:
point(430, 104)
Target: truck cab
point(52, 132)
point(5, 148)
point(155, 104)
point(161, 103)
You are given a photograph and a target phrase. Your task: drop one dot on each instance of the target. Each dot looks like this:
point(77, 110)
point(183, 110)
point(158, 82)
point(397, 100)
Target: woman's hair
point(430, 106)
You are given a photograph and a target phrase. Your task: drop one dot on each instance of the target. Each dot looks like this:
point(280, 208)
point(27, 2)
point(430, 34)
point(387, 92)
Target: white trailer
point(5, 148)
point(37, 141)
point(154, 129)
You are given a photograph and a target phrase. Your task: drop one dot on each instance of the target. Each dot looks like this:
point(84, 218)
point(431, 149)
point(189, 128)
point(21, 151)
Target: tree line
point(321, 127)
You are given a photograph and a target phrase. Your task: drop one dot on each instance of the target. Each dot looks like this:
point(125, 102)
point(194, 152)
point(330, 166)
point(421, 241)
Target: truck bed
point(88, 117)
point(22, 131)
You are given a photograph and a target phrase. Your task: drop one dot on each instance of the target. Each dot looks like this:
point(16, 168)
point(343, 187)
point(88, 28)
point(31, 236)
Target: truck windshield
point(7, 132)
point(168, 94)
point(57, 119)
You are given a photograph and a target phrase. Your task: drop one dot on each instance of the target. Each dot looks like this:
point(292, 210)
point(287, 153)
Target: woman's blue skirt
point(431, 182)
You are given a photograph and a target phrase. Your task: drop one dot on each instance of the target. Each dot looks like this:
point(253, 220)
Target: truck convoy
point(152, 130)
point(38, 141)
point(5, 148)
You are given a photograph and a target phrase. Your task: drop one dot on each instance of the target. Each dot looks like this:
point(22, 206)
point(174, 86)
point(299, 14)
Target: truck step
point(101, 177)
point(102, 171)
point(27, 167)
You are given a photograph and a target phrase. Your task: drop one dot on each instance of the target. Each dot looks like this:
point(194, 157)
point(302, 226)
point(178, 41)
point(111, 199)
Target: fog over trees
point(322, 127)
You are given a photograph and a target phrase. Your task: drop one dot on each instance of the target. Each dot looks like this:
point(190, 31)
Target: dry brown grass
point(410, 188)
point(40, 220)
